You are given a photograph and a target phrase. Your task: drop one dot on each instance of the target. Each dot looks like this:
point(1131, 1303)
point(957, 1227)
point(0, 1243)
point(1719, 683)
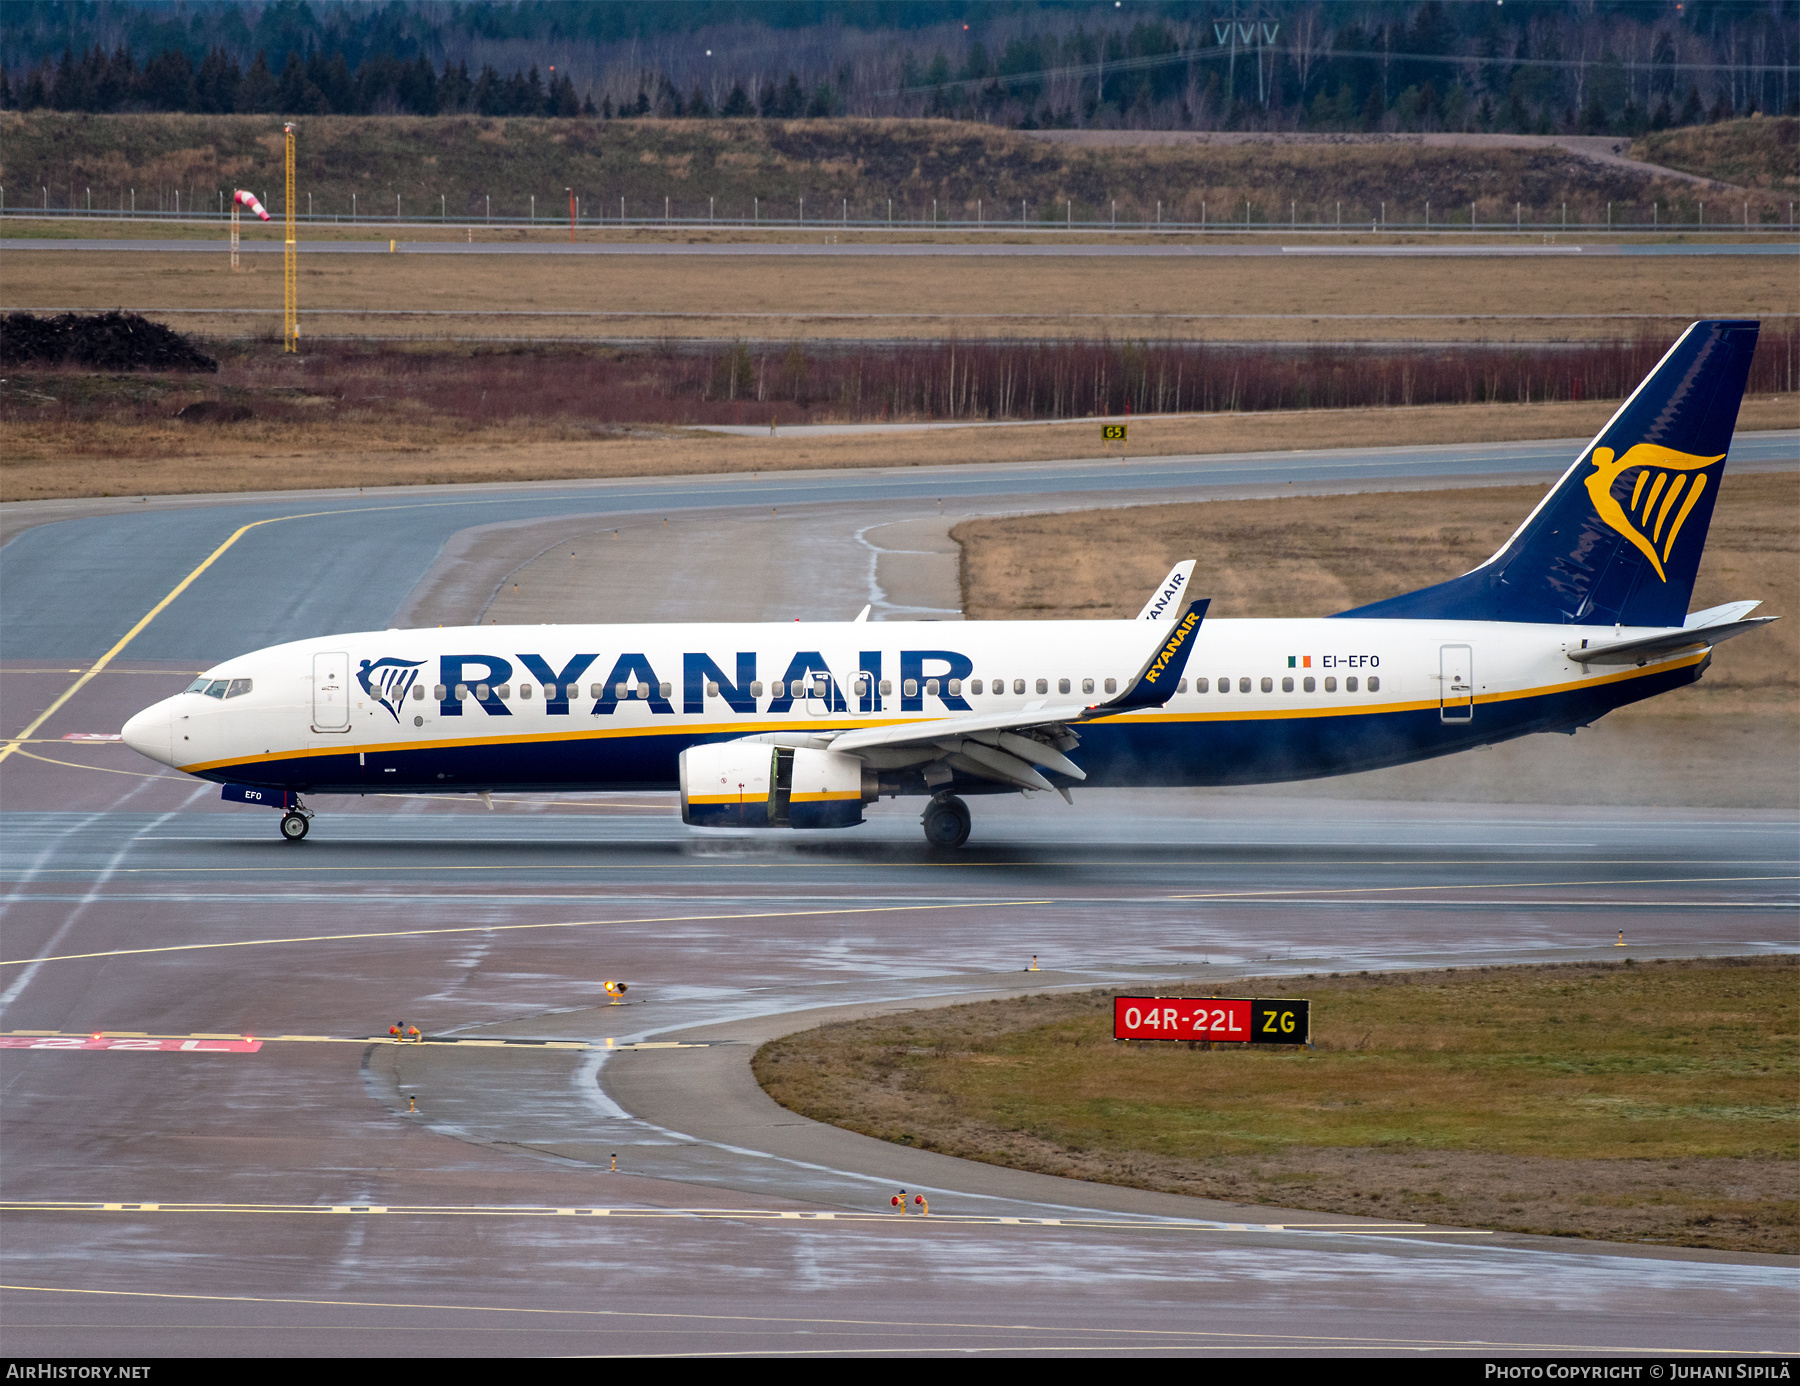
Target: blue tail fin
point(1618, 539)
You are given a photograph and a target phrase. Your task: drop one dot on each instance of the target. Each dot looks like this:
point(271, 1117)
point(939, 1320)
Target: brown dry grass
point(44, 461)
point(1313, 555)
point(1651, 1103)
point(917, 298)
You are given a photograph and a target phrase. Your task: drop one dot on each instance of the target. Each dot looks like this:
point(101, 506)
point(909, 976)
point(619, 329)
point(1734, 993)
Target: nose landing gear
point(946, 822)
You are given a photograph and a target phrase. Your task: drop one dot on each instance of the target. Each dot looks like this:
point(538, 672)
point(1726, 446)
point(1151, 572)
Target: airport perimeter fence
point(1190, 216)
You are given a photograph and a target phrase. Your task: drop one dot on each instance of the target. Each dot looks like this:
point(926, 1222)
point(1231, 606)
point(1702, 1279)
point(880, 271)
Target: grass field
point(781, 297)
point(457, 163)
point(57, 459)
point(1757, 153)
point(1653, 1102)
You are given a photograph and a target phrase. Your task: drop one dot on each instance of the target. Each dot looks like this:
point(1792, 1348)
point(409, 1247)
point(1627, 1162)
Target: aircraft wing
point(1009, 746)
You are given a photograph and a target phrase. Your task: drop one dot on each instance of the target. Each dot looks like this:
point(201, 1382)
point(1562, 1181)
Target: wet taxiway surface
point(324, 1193)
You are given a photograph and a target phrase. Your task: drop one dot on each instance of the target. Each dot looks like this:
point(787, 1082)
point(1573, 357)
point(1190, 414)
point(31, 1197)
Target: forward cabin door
point(1456, 673)
point(331, 692)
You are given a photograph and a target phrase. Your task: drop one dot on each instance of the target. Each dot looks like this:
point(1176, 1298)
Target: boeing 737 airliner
point(796, 726)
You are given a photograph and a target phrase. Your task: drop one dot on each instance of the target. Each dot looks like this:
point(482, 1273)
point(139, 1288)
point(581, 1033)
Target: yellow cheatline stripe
point(913, 1325)
point(513, 928)
point(825, 795)
point(13, 743)
point(1475, 885)
point(1289, 713)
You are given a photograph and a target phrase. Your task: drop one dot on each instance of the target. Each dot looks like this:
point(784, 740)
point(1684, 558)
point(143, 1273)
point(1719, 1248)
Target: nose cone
point(151, 731)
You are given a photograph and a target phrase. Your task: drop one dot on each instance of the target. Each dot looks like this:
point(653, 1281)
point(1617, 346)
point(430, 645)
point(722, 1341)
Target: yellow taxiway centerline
point(428, 1042)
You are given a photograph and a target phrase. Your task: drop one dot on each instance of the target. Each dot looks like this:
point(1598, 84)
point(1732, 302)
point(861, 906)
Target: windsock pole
point(290, 321)
point(235, 210)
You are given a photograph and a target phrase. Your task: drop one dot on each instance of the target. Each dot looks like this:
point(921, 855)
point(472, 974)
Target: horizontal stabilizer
point(1666, 646)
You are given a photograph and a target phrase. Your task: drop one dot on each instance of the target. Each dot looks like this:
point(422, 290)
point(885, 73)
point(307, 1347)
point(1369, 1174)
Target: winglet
point(1155, 683)
point(1165, 601)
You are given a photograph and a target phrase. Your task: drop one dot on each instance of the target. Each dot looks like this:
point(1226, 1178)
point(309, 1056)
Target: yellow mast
point(290, 322)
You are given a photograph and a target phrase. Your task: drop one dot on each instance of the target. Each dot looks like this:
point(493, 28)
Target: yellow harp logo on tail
point(1668, 485)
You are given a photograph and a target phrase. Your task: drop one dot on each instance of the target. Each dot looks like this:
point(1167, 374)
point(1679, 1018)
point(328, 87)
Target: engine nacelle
point(742, 784)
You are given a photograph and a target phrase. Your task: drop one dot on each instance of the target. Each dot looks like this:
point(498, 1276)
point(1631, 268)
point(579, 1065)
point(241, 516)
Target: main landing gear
point(946, 821)
point(296, 821)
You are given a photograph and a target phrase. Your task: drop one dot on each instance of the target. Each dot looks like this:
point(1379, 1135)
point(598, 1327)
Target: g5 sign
point(1220, 1019)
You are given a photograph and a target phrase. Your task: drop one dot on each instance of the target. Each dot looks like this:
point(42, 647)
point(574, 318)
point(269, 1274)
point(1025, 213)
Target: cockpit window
point(237, 688)
point(216, 689)
point(198, 685)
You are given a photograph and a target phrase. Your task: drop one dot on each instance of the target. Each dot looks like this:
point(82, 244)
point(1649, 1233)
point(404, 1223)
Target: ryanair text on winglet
point(1173, 643)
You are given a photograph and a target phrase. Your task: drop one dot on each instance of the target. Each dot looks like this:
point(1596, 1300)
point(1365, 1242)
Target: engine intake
point(741, 784)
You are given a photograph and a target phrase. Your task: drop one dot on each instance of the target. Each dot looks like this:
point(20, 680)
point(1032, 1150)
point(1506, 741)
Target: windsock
point(248, 199)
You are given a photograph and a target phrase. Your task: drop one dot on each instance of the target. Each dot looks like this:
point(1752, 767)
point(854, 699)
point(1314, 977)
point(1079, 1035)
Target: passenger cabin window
point(975, 687)
point(438, 692)
point(239, 687)
point(482, 691)
point(1308, 684)
point(955, 687)
point(462, 692)
point(1043, 685)
point(1374, 684)
point(1243, 685)
point(1112, 685)
point(664, 689)
point(1224, 685)
point(931, 687)
point(712, 690)
point(887, 688)
point(1287, 685)
point(778, 689)
point(525, 691)
point(756, 688)
point(505, 692)
point(910, 688)
point(1087, 685)
point(418, 692)
point(1350, 684)
point(1181, 685)
point(1202, 686)
point(1268, 684)
point(1062, 685)
point(1018, 685)
point(1330, 684)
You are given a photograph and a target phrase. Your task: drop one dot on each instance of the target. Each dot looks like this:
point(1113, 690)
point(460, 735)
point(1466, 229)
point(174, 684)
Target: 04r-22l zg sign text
point(1220, 1019)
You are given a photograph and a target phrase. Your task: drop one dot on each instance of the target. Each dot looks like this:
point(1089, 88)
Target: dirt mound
point(215, 411)
point(104, 341)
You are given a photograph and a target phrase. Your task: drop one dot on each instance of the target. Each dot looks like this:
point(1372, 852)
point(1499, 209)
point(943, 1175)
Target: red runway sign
point(1221, 1019)
point(131, 1046)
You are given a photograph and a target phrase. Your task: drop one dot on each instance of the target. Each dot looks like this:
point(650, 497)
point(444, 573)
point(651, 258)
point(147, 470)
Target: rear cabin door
point(331, 692)
point(1456, 672)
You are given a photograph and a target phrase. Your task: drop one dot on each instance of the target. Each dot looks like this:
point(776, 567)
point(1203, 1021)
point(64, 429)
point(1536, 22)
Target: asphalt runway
point(327, 1194)
point(910, 249)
